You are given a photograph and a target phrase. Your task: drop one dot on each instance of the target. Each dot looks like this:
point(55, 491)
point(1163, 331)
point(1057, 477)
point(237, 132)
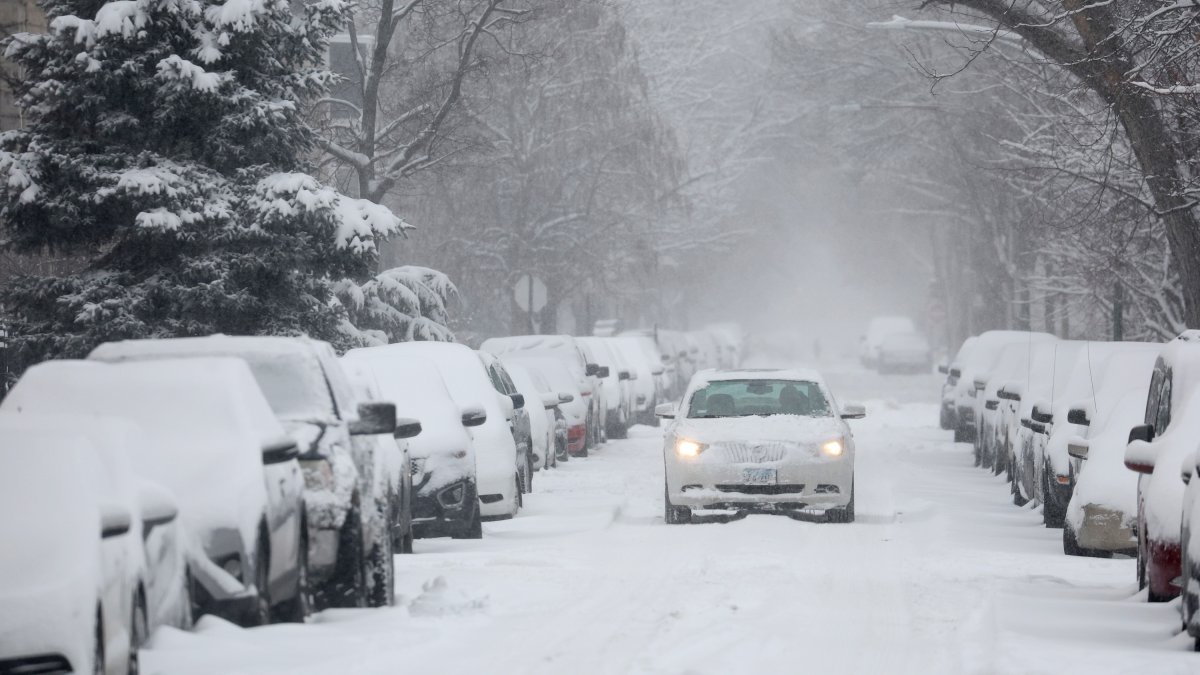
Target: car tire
point(139, 632)
point(98, 665)
point(381, 571)
point(844, 514)
point(348, 585)
point(261, 614)
point(473, 528)
point(1052, 515)
point(299, 607)
point(674, 515)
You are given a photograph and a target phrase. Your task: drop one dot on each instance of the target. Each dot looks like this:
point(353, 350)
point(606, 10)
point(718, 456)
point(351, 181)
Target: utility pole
point(1118, 308)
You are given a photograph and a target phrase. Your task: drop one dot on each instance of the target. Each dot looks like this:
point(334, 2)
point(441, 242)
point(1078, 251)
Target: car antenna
point(1092, 377)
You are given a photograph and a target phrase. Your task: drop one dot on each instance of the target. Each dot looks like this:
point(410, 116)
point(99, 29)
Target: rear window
point(745, 398)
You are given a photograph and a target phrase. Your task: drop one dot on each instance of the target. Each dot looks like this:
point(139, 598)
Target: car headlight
point(833, 448)
point(688, 448)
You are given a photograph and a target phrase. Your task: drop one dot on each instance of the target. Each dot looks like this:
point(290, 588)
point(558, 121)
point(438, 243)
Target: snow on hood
point(1103, 479)
point(790, 428)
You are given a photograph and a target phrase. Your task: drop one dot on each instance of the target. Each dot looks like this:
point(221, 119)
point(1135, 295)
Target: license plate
point(759, 476)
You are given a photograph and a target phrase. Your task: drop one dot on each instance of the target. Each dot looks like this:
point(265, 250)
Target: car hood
point(787, 428)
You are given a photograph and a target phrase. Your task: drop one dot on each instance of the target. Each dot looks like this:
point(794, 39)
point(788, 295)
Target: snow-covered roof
point(800, 374)
point(215, 345)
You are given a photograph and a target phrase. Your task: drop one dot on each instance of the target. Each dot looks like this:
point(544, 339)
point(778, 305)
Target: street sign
point(530, 293)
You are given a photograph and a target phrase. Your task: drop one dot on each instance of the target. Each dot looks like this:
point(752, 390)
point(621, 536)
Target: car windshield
point(745, 398)
point(293, 384)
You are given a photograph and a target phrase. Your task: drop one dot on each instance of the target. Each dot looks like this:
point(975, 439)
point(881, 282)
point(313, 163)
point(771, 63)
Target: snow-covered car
point(573, 407)
point(72, 567)
point(639, 353)
point(877, 331)
point(445, 498)
point(667, 354)
point(497, 463)
point(389, 469)
point(1101, 514)
point(1157, 448)
point(600, 393)
point(976, 365)
point(1050, 368)
point(519, 422)
point(732, 339)
point(996, 404)
point(541, 416)
point(947, 417)
point(229, 463)
point(617, 385)
point(1103, 372)
point(553, 401)
point(313, 399)
point(903, 353)
point(565, 349)
point(770, 440)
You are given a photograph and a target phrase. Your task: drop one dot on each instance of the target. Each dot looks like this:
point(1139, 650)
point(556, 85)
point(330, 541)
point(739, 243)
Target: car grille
point(36, 665)
point(762, 489)
point(753, 453)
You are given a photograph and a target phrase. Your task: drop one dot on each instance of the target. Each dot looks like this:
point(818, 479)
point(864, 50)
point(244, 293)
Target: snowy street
point(941, 574)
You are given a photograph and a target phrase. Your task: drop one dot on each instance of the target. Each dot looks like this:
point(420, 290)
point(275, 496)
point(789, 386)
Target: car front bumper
point(445, 510)
point(814, 485)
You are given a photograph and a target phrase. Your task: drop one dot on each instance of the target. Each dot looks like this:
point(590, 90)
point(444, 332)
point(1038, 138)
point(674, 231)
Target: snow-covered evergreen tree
point(399, 305)
point(167, 143)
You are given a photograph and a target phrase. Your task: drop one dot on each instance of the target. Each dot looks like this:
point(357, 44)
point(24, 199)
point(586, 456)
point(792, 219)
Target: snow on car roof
point(216, 345)
point(802, 374)
point(515, 343)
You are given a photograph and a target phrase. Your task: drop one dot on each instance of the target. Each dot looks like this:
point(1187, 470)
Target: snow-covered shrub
point(167, 144)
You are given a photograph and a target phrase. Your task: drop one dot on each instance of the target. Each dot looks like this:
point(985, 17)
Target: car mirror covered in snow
point(1078, 448)
point(280, 450)
point(157, 505)
point(474, 416)
point(115, 520)
point(407, 428)
point(374, 417)
point(665, 410)
point(1139, 454)
point(854, 411)
point(518, 401)
point(1079, 416)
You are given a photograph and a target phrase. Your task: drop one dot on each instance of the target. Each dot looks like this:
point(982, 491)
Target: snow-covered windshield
point(743, 398)
point(293, 384)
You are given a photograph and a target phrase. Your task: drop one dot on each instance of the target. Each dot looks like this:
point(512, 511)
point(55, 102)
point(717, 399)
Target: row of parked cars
point(260, 479)
point(1102, 435)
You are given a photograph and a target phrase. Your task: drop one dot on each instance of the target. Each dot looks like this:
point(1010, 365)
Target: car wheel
point(300, 606)
point(473, 529)
point(844, 514)
point(348, 585)
point(98, 665)
point(381, 571)
point(1018, 499)
point(674, 515)
point(139, 632)
point(261, 614)
point(1052, 515)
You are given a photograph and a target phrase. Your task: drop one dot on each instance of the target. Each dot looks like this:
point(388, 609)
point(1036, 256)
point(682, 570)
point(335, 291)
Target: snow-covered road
point(941, 574)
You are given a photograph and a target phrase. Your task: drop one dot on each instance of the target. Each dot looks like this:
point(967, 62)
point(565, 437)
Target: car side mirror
point(406, 428)
point(854, 411)
point(592, 370)
point(980, 385)
point(603, 372)
point(473, 417)
point(624, 375)
point(564, 397)
point(1007, 395)
point(1139, 454)
point(1041, 414)
point(518, 401)
point(549, 400)
point(1078, 448)
point(956, 372)
point(991, 404)
point(374, 417)
point(665, 411)
point(157, 505)
point(507, 406)
point(943, 369)
point(115, 520)
point(1078, 416)
point(280, 450)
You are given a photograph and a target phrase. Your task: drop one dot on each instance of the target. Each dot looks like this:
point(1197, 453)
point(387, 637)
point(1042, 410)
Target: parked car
point(903, 353)
point(388, 467)
point(993, 406)
point(498, 465)
point(520, 424)
point(617, 385)
point(1157, 449)
point(733, 341)
point(1102, 513)
point(948, 417)
point(643, 355)
point(72, 570)
point(877, 331)
point(601, 392)
point(1103, 373)
point(1050, 370)
point(224, 456)
point(766, 440)
point(445, 497)
point(566, 349)
point(541, 417)
point(974, 368)
point(312, 397)
point(558, 376)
